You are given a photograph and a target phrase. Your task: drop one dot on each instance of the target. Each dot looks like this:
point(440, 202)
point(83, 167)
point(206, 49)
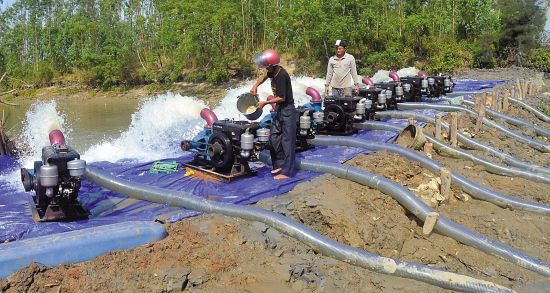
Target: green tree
point(522, 24)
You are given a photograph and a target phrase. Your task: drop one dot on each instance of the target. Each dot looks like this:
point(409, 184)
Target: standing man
point(282, 139)
point(341, 72)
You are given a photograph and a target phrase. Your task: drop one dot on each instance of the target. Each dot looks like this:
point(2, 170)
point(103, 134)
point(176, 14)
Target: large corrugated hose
point(531, 109)
point(417, 207)
point(472, 143)
point(318, 242)
point(452, 108)
point(420, 209)
point(514, 120)
point(457, 152)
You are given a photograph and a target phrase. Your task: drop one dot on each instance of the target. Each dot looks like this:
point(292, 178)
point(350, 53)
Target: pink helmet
point(267, 58)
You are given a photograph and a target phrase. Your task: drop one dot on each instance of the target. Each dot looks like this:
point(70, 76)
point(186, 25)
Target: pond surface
point(90, 120)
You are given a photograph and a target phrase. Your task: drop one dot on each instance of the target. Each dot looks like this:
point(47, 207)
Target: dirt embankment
point(213, 253)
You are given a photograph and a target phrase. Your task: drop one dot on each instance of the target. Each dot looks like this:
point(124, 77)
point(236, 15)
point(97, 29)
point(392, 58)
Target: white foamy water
point(40, 120)
point(155, 132)
point(383, 75)
point(227, 109)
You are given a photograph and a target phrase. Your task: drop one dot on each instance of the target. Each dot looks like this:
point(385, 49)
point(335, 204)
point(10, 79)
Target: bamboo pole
point(494, 101)
point(518, 91)
point(454, 128)
point(438, 119)
point(523, 89)
point(505, 102)
point(481, 114)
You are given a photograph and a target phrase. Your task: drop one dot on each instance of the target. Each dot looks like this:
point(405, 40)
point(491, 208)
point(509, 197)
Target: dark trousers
point(283, 140)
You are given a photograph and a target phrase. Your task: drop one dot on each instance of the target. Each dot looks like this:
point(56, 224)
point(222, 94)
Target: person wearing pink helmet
point(282, 140)
point(341, 72)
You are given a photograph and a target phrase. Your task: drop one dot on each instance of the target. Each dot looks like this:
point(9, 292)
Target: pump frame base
point(237, 170)
point(58, 212)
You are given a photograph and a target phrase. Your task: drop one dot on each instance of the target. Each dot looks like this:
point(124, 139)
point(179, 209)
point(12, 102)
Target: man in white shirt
point(341, 72)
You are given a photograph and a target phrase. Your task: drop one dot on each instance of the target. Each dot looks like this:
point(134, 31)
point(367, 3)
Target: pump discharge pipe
point(417, 207)
point(318, 242)
point(513, 120)
point(512, 161)
point(531, 109)
point(450, 108)
point(456, 152)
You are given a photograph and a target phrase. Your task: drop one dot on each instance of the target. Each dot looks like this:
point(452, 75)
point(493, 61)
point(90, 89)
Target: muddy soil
point(214, 253)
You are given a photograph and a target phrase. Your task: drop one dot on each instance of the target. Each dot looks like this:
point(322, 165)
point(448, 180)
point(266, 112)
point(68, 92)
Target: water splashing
point(40, 120)
point(157, 127)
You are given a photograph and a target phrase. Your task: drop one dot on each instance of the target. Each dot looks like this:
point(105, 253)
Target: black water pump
point(341, 113)
point(232, 144)
point(56, 182)
point(227, 146)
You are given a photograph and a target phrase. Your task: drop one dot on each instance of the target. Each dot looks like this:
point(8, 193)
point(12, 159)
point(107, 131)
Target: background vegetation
point(103, 43)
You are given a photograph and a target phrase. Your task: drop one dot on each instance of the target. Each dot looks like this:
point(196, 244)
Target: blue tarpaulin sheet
point(466, 85)
point(107, 207)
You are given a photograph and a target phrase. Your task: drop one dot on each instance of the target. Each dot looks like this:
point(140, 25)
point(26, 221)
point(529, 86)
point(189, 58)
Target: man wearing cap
point(341, 72)
point(282, 139)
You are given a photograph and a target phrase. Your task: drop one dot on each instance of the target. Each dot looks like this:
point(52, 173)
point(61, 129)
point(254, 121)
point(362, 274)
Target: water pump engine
point(394, 94)
point(414, 87)
point(56, 182)
point(439, 86)
point(226, 147)
point(307, 125)
point(341, 113)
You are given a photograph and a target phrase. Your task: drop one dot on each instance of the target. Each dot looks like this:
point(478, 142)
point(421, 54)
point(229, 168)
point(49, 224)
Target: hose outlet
point(412, 137)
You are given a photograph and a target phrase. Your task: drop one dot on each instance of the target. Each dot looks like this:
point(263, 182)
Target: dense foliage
point(125, 42)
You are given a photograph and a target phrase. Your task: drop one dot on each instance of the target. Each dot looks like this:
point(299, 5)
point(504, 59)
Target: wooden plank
point(481, 114)
point(438, 119)
point(454, 128)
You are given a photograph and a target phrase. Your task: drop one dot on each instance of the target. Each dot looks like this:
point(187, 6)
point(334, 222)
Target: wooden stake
point(481, 114)
point(438, 119)
point(411, 121)
point(476, 103)
point(518, 91)
point(523, 89)
point(445, 187)
point(505, 102)
point(494, 102)
point(429, 223)
point(454, 128)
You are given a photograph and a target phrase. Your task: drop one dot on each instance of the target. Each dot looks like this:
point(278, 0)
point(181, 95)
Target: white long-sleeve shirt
point(342, 72)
